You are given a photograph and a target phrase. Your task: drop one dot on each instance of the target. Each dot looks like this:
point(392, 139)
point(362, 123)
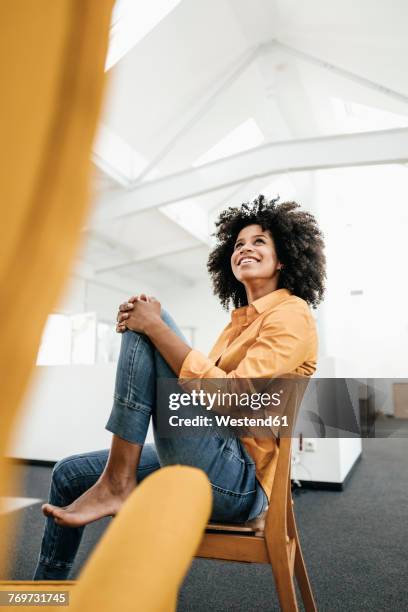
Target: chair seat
point(254, 527)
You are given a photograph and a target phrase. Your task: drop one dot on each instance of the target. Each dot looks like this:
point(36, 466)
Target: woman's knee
point(132, 337)
point(61, 471)
point(132, 343)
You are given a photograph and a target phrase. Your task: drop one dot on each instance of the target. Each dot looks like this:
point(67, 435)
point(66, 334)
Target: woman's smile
point(247, 260)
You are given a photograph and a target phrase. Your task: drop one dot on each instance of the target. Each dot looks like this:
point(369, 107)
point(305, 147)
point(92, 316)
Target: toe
point(47, 509)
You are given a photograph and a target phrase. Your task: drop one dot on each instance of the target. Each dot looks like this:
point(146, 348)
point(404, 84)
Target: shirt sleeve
point(282, 345)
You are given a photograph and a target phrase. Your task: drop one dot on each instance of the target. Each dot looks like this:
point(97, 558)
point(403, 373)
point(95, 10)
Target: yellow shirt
point(273, 336)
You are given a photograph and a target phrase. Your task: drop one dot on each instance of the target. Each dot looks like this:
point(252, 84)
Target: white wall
point(65, 412)
point(363, 214)
point(197, 307)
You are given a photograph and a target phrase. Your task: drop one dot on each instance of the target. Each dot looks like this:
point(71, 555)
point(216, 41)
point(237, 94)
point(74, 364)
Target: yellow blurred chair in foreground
point(143, 556)
point(52, 57)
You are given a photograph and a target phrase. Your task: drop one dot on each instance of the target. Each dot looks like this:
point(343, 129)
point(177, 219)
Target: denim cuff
point(260, 503)
point(43, 571)
point(129, 422)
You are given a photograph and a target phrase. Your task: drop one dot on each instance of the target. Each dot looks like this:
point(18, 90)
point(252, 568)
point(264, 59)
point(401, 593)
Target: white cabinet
point(329, 460)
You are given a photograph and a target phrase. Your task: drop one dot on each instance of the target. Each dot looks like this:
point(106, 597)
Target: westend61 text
point(228, 421)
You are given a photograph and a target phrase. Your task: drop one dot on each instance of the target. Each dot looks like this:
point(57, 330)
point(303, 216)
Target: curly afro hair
point(298, 242)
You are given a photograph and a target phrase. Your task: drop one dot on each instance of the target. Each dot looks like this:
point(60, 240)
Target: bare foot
point(104, 498)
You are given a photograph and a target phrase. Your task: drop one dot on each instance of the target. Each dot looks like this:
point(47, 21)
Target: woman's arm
point(171, 347)
point(143, 315)
point(282, 344)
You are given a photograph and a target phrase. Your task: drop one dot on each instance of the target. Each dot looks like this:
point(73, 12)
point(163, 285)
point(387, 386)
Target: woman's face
point(254, 255)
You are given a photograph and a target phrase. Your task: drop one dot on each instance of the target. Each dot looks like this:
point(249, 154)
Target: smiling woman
point(269, 263)
point(293, 239)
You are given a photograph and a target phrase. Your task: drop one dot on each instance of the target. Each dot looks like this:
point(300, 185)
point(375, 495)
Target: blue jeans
point(237, 495)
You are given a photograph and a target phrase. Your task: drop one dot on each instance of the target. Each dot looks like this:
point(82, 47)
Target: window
point(78, 339)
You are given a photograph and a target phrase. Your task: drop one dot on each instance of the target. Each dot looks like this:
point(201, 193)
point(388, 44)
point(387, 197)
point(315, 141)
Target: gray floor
point(355, 543)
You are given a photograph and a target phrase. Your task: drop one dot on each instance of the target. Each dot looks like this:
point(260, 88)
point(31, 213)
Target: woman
point(269, 263)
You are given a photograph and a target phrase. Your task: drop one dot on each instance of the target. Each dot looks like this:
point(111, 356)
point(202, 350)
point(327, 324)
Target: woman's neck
point(258, 289)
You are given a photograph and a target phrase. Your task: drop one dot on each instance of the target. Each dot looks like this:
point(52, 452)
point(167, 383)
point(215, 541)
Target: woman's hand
point(142, 314)
point(138, 314)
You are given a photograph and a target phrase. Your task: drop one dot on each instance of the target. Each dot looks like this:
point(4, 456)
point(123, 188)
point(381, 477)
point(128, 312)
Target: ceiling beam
point(348, 74)
point(359, 149)
point(161, 251)
point(110, 287)
point(84, 271)
point(109, 243)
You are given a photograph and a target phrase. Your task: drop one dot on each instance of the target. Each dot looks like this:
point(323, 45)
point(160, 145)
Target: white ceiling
point(294, 70)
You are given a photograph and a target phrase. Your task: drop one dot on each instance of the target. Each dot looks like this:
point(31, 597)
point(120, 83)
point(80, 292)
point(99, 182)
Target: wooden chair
point(271, 538)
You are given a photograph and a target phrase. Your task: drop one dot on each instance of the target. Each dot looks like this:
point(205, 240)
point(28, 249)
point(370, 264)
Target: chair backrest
point(295, 387)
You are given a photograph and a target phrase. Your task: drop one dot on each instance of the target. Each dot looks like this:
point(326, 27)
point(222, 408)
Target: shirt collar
point(247, 314)
point(270, 299)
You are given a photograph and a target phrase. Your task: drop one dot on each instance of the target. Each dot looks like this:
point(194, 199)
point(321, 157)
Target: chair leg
point(303, 580)
point(302, 577)
point(284, 580)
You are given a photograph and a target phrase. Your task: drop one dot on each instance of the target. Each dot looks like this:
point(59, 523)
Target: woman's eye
point(260, 240)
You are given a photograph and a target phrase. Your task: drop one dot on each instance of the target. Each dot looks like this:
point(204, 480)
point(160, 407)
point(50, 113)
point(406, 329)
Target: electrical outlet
point(309, 445)
point(295, 459)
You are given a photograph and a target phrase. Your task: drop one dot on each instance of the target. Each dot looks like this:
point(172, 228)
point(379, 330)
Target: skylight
point(246, 136)
point(131, 22)
point(117, 158)
point(189, 215)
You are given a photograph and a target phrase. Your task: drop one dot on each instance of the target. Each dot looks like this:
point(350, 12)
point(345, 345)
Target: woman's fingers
point(126, 306)
point(142, 296)
point(147, 298)
point(123, 313)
